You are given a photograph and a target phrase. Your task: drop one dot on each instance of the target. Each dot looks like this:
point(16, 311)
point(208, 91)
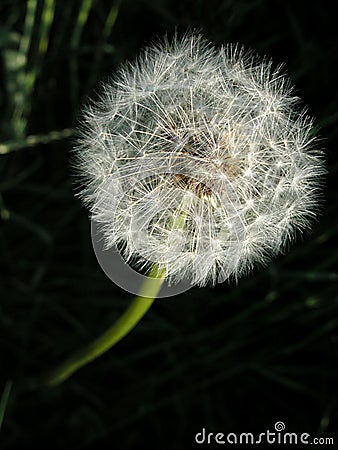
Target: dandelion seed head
point(213, 139)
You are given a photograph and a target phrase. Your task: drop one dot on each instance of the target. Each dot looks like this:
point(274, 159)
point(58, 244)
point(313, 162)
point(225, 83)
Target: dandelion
point(198, 163)
point(216, 133)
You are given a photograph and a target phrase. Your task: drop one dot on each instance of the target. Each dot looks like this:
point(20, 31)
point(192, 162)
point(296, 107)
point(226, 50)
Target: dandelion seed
point(216, 133)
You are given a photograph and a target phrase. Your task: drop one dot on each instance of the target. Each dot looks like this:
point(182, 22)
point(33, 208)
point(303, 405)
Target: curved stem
point(115, 333)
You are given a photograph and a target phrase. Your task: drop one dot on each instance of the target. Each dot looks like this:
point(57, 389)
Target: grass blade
point(4, 400)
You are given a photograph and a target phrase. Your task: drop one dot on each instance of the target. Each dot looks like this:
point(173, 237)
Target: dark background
point(230, 359)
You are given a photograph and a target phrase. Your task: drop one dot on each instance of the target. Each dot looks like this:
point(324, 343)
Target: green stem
point(115, 333)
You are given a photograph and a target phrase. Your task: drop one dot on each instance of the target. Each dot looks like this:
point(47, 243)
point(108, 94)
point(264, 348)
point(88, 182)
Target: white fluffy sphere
point(200, 160)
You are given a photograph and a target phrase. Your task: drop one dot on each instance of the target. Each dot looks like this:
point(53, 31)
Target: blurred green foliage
point(231, 359)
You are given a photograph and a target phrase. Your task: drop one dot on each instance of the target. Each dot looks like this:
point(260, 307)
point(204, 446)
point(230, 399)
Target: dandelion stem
point(115, 333)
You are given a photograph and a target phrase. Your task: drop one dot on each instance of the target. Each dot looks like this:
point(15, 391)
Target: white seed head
point(199, 159)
